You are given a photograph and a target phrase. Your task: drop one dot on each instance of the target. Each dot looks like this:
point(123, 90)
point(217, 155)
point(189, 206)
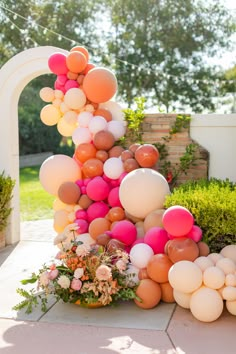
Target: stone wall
point(157, 126)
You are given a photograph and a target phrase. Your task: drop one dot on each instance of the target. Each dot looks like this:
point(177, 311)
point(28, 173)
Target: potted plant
point(6, 188)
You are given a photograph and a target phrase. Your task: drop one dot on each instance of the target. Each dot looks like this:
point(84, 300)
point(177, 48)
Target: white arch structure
point(14, 76)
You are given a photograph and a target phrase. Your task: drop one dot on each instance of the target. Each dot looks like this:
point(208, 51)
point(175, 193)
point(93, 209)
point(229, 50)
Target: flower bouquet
point(83, 273)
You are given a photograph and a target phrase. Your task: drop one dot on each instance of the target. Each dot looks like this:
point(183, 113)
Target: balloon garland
point(116, 196)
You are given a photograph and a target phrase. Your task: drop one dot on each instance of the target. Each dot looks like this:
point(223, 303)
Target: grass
point(35, 202)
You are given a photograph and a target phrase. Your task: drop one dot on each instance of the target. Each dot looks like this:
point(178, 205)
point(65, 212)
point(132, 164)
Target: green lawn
point(35, 202)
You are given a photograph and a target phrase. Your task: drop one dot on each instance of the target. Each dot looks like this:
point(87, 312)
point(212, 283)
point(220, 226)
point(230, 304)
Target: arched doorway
point(14, 76)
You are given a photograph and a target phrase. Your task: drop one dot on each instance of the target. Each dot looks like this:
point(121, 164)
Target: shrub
point(213, 205)
point(6, 188)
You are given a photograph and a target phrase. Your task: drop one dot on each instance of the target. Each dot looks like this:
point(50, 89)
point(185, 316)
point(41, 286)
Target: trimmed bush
point(213, 205)
point(6, 188)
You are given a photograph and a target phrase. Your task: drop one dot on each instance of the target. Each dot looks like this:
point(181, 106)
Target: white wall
point(14, 76)
point(217, 134)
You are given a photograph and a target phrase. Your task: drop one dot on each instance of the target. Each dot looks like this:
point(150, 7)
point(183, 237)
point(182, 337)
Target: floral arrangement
point(83, 273)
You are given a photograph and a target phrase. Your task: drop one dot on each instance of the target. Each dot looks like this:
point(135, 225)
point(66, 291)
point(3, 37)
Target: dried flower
point(82, 250)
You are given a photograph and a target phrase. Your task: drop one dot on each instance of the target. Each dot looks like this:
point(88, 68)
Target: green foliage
point(213, 205)
point(6, 188)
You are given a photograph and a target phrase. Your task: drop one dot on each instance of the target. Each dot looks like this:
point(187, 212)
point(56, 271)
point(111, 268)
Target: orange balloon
point(80, 79)
point(158, 267)
point(182, 248)
point(98, 227)
point(130, 165)
point(103, 113)
point(92, 168)
point(72, 76)
point(167, 292)
point(104, 140)
point(89, 67)
point(85, 151)
point(76, 62)
point(116, 214)
point(147, 155)
point(134, 147)
point(142, 274)
point(99, 85)
point(69, 192)
point(81, 49)
point(149, 292)
point(115, 151)
point(102, 155)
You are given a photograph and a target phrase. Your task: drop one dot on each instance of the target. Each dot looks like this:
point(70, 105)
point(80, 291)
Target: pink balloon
point(113, 198)
point(97, 210)
point(81, 214)
point(57, 63)
point(114, 183)
point(61, 79)
point(83, 226)
point(177, 221)
point(124, 231)
point(97, 189)
point(156, 238)
point(71, 84)
point(57, 86)
point(195, 233)
point(139, 240)
point(122, 176)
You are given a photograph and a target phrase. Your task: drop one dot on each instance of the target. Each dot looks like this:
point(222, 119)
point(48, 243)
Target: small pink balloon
point(97, 189)
point(97, 210)
point(61, 79)
point(71, 84)
point(57, 86)
point(156, 237)
point(83, 190)
point(80, 182)
point(122, 176)
point(81, 214)
point(139, 240)
point(86, 181)
point(83, 226)
point(57, 63)
point(113, 197)
point(177, 221)
point(114, 183)
point(195, 233)
point(124, 231)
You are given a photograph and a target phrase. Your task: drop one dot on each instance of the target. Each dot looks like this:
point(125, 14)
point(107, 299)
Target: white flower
point(79, 272)
point(69, 229)
point(64, 282)
point(121, 265)
point(82, 250)
point(59, 238)
point(44, 279)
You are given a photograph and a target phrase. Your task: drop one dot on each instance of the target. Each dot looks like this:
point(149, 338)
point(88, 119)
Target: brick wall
point(156, 126)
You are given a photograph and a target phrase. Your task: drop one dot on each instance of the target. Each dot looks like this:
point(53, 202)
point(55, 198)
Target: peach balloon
point(143, 191)
point(229, 293)
point(231, 307)
point(92, 168)
point(103, 140)
point(182, 248)
point(167, 292)
point(185, 276)
point(153, 219)
point(213, 277)
point(99, 85)
point(50, 115)
point(182, 299)
point(64, 128)
point(60, 220)
point(203, 263)
point(98, 227)
point(147, 155)
point(75, 98)
point(76, 61)
point(229, 252)
point(56, 170)
point(158, 268)
point(227, 265)
point(206, 304)
point(85, 151)
point(47, 94)
point(149, 292)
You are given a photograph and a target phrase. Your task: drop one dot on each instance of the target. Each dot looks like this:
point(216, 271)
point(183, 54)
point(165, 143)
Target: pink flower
point(44, 279)
point(121, 265)
point(79, 272)
point(76, 284)
point(53, 274)
point(103, 272)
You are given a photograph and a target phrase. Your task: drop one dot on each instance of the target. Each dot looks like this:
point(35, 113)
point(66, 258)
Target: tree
point(229, 88)
point(161, 46)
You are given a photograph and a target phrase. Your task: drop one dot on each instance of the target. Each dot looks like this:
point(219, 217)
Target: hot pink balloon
point(113, 198)
point(61, 79)
point(177, 221)
point(124, 231)
point(156, 238)
point(83, 226)
point(57, 86)
point(97, 189)
point(195, 233)
point(81, 214)
point(97, 210)
point(71, 84)
point(139, 240)
point(57, 63)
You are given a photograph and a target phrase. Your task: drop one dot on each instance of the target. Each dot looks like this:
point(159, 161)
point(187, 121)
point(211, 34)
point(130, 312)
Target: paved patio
point(67, 328)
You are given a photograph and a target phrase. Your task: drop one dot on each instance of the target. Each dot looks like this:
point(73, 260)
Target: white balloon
point(115, 109)
point(117, 128)
point(140, 255)
point(113, 167)
point(97, 124)
point(81, 135)
point(84, 119)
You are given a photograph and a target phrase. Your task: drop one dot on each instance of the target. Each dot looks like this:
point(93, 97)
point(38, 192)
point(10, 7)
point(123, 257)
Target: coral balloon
point(85, 201)
point(76, 61)
point(143, 191)
point(98, 189)
point(99, 85)
point(115, 151)
point(124, 231)
point(153, 219)
point(156, 238)
point(206, 304)
point(102, 155)
point(56, 170)
point(178, 221)
point(130, 165)
point(92, 168)
point(103, 140)
point(85, 151)
point(167, 292)
point(69, 193)
point(140, 255)
point(142, 274)
point(98, 227)
point(158, 268)
point(57, 63)
point(149, 292)
point(182, 248)
point(102, 239)
point(147, 155)
point(204, 249)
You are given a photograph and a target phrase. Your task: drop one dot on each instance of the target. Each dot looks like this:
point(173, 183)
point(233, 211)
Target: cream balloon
point(227, 265)
point(75, 98)
point(231, 307)
point(50, 115)
point(182, 299)
point(143, 191)
point(64, 128)
point(229, 252)
point(113, 167)
point(47, 94)
point(214, 277)
point(84, 118)
point(203, 263)
point(215, 257)
point(229, 293)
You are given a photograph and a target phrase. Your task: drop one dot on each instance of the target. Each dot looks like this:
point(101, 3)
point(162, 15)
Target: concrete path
point(67, 328)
